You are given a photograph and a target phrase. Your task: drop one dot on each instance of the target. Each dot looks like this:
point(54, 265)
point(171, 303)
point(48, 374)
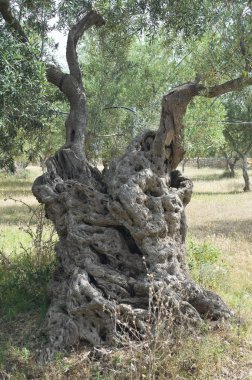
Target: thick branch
point(12, 22)
point(71, 85)
point(236, 84)
point(75, 33)
point(168, 145)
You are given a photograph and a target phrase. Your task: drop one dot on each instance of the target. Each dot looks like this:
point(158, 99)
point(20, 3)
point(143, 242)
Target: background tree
point(117, 103)
point(231, 158)
point(239, 134)
point(27, 112)
point(203, 136)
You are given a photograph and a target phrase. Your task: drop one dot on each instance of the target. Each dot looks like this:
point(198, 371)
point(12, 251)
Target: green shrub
point(205, 263)
point(23, 283)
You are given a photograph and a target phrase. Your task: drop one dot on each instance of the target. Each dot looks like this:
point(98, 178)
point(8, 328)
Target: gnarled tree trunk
point(117, 229)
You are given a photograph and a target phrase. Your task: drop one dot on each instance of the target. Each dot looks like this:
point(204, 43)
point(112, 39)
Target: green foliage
point(238, 136)
point(26, 100)
point(130, 63)
point(132, 75)
point(203, 133)
point(24, 109)
point(204, 261)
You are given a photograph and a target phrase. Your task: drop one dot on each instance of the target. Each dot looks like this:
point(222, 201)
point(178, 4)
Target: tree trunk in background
point(245, 173)
point(184, 161)
point(198, 162)
point(231, 162)
point(231, 166)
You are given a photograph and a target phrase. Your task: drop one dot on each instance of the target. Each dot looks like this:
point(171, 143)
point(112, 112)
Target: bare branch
point(13, 24)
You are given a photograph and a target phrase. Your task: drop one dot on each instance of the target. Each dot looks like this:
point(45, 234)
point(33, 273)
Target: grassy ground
point(14, 214)
point(220, 257)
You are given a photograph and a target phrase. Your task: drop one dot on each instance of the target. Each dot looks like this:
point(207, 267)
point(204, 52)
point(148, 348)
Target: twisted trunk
point(118, 229)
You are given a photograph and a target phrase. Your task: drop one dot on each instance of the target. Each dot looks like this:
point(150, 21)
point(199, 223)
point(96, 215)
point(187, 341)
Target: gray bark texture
point(114, 231)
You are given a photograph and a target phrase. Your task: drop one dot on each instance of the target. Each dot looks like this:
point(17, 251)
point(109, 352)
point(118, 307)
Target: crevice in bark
point(130, 242)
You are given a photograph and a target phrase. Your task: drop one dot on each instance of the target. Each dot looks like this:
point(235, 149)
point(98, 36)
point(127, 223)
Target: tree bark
point(245, 172)
point(198, 162)
point(121, 233)
point(184, 161)
point(231, 162)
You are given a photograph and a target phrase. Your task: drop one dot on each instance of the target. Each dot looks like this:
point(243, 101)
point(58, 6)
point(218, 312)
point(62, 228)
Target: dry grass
point(219, 215)
point(224, 219)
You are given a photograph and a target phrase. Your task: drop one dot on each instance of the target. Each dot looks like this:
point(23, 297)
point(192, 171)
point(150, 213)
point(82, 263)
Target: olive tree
point(121, 233)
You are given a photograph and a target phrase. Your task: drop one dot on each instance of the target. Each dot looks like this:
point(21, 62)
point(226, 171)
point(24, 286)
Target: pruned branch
point(55, 76)
point(13, 24)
